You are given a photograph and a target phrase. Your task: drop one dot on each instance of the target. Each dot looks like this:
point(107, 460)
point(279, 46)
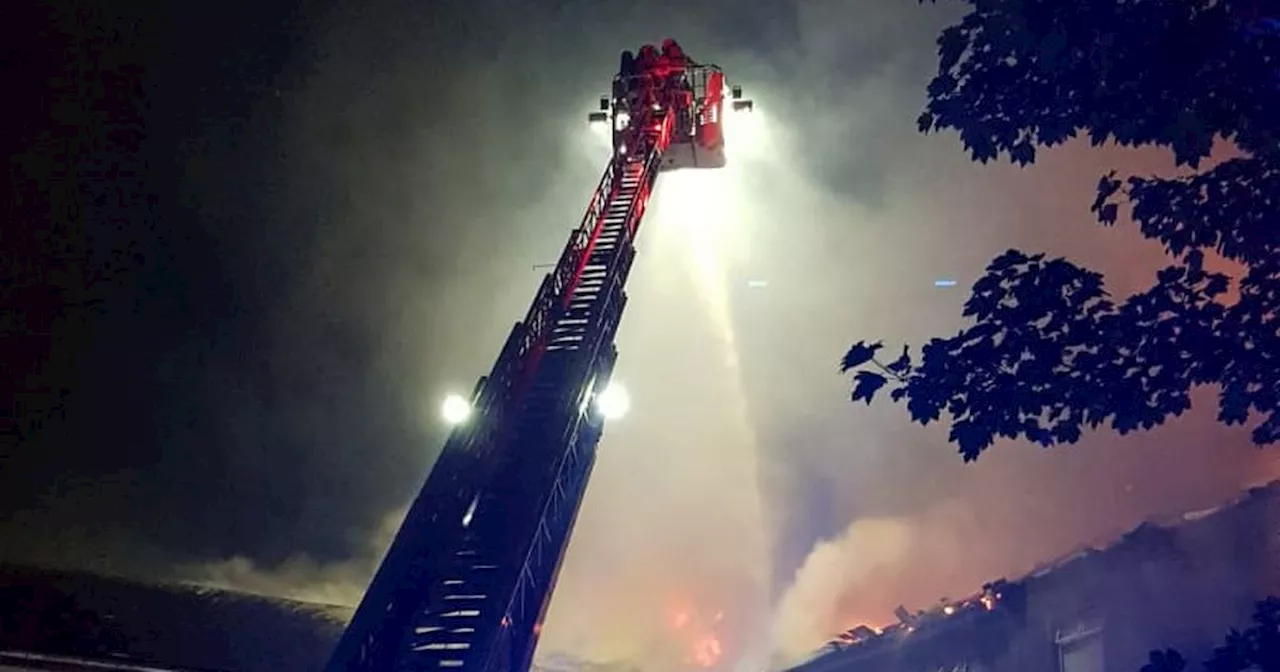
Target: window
point(1080, 648)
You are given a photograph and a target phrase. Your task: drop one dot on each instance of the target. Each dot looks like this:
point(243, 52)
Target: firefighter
point(648, 59)
point(673, 54)
point(627, 64)
point(625, 85)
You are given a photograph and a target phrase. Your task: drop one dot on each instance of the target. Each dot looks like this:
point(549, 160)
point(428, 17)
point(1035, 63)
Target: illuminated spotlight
point(613, 402)
point(742, 128)
point(456, 409)
point(757, 284)
point(944, 283)
point(599, 122)
point(599, 134)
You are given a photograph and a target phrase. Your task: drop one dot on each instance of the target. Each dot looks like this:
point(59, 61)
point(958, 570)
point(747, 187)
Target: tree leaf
point(859, 354)
point(866, 384)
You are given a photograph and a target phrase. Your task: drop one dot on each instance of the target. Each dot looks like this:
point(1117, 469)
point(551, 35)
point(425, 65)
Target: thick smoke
point(301, 577)
point(869, 549)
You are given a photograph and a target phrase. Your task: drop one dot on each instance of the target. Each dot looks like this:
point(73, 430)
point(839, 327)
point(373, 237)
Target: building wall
point(108, 620)
point(26, 661)
point(1179, 586)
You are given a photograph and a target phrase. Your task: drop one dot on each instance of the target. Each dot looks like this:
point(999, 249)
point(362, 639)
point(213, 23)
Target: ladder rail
point(417, 612)
point(560, 505)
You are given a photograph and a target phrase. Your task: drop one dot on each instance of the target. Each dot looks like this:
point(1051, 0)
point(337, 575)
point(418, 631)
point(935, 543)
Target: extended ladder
point(468, 578)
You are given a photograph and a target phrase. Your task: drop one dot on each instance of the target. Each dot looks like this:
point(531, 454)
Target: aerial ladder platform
point(468, 578)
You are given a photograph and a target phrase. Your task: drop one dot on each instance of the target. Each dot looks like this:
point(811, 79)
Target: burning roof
point(990, 600)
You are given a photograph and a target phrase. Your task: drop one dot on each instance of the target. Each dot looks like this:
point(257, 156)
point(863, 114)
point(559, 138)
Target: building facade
point(1179, 585)
point(70, 621)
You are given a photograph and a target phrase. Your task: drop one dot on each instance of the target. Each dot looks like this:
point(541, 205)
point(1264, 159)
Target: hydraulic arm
point(468, 578)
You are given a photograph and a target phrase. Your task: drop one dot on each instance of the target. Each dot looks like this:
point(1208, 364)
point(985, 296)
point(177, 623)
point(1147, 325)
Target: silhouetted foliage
point(1049, 353)
point(1255, 648)
point(1165, 660)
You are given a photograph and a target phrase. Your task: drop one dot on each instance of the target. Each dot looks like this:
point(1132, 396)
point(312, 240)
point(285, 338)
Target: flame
point(706, 652)
point(697, 632)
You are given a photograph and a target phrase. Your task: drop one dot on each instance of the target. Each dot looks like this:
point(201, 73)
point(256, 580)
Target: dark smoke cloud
point(350, 202)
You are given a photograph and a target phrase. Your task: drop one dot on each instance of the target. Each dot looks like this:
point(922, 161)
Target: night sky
point(282, 232)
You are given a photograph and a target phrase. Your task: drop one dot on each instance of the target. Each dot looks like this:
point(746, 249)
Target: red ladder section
point(468, 579)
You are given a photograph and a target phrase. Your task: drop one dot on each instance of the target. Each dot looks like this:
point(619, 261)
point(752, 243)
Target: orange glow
point(706, 652)
point(680, 620)
point(697, 632)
